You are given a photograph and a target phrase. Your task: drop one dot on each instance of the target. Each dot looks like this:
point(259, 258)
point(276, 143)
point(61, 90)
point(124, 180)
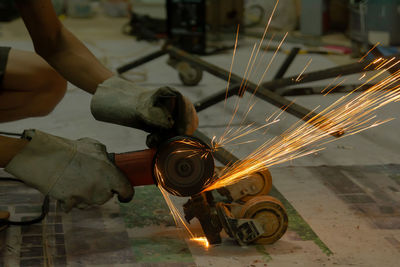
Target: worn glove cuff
point(32, 165)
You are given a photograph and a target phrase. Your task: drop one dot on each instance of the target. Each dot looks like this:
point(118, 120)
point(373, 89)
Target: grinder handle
point(137, 166)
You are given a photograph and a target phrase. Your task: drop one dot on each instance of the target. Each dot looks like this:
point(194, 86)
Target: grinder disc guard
point(184, 166)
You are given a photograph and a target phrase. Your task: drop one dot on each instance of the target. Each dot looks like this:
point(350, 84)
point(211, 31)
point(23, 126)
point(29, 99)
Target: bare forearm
point(76, 63)
point(9, 147)
point(59, 47)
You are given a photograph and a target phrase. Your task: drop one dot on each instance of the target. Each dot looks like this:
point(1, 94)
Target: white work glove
point(77, 173)
point(155, 111)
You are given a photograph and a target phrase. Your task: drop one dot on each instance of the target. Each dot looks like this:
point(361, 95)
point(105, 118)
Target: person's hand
point(162, 110)
point(77, 173)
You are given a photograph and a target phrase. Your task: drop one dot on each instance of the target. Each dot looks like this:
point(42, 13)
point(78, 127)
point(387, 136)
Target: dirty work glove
point(77, 173)
point(122, 102)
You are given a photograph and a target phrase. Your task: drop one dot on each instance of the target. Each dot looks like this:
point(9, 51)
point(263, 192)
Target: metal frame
point(265, 91)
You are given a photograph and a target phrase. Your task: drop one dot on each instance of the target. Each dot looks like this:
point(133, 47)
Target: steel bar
point(286, 64)
point(323, 74)
point(263, 93)
point(217, 97)
point(141, 61)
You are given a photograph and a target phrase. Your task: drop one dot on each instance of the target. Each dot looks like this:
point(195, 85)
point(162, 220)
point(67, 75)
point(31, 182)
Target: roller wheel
point(266, 188)
point(272, 215)
point(191, 75)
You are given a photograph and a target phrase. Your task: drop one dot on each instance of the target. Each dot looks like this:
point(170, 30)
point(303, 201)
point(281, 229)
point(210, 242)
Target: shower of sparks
point(299, 78)
point(179, 221)
point(250, 69)
point(350, 114)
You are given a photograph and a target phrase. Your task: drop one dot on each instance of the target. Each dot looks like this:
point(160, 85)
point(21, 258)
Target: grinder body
point(182, 165)
point(137, 166)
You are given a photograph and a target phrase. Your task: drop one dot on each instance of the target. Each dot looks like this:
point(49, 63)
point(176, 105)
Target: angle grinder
point(182, 165)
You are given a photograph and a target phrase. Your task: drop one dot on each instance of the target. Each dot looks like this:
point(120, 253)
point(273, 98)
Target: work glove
point(161, 112)
point(77, 173)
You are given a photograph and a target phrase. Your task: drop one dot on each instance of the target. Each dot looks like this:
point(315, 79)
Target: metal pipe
point(216, 98)
point(141, 61)
point(286, 64)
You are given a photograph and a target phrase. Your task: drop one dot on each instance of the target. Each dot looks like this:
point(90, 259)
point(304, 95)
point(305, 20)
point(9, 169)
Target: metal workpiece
point(202, 207)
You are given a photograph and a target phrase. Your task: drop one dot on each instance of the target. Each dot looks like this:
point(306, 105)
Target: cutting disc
point(184, 166)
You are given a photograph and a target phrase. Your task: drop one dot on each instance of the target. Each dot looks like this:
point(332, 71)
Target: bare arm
point(9, 147)
point(59, 47)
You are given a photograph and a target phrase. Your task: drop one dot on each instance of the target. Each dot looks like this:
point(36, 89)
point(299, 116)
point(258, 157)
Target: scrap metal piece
point(202, 207)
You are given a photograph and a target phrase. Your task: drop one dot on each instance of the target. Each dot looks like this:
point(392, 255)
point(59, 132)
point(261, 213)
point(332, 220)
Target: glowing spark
point(233, 60)
point(373, 62)
point(202, 241)
point(362, 76)
point(369, 51)
point(333, 88)
point(329, 85)
point(382, 65)
point(301, 73)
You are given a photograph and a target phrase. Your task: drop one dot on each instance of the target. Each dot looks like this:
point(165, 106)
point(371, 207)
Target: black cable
point(10, 134)
point(45, 209)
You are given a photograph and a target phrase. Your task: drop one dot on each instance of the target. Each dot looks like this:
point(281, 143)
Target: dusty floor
point(343, 202)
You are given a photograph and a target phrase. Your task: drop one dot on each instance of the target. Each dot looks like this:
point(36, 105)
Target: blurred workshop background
point(342, 203)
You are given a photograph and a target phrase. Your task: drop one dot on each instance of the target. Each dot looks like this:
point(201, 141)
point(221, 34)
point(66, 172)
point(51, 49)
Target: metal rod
point(286, 64)
point(216, 98)
point(323, 74)
point(141, 61)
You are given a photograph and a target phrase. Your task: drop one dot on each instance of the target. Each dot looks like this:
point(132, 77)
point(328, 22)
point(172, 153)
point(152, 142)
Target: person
point(77, 173)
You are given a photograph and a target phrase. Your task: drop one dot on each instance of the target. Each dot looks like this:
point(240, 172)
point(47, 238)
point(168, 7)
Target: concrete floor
point(343, 202)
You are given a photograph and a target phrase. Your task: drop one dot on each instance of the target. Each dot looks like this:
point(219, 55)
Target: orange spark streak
point(333, 88)
point(382, 65)
point(301, 73)
point(373, 62)
point(369, 51)
point(351, 115)
point(179, 220)
point(230, 70)
point(329, 85)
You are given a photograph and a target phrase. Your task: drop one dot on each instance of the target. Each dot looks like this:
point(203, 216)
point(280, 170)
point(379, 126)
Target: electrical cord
point(44, 212)
point(10, 134)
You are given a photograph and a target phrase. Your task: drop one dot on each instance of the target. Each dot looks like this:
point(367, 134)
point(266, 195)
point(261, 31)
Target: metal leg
point(141, 61)
point(286, 64)
point(217, 97)
point(323, 74)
